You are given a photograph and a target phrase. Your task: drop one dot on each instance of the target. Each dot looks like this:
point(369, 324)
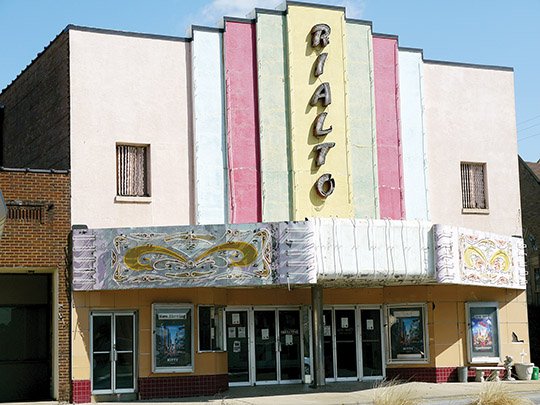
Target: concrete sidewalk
point(353, 393)
point(343, 393)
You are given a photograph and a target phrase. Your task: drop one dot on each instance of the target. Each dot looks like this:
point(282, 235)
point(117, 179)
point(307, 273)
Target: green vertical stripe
point(273, 117)
point(361, 121)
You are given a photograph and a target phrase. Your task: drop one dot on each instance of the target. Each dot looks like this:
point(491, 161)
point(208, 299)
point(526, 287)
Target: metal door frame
point(353, 308)
point(359, 308)
point(112, 315)
point(250, 338)
point(358, 338)
point(276, 351)
point(251, 343)
point(300, 343)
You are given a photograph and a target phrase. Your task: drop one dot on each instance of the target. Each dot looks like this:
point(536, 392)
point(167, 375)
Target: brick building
point(529, 180)
point(34, 286)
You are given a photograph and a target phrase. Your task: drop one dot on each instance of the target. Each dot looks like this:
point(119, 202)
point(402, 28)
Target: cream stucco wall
point(445, 306)
point(470, 117)
point(129, 89)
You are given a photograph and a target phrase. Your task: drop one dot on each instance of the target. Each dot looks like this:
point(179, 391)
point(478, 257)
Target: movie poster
point(483, 332)
point(407, 333)
point(172, 338)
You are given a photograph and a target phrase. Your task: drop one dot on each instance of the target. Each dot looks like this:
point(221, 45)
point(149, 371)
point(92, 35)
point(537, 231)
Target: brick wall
point(34, 243)
point(432, 374)
point(182, 386)
point(35, 129)
point(530, 207)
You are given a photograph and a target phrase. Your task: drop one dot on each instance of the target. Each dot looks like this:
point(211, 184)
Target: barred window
point(132, 170)
point(473, 186)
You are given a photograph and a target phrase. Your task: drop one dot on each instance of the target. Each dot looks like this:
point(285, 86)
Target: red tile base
point(81, 391)
point(429, 374)
point(424, 374)
point(182, 386)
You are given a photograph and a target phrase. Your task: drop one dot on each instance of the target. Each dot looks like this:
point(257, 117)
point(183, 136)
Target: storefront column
point(318, 336)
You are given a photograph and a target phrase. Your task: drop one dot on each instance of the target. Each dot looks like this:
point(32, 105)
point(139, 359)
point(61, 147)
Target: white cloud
point(232, 8)
point(212, 13)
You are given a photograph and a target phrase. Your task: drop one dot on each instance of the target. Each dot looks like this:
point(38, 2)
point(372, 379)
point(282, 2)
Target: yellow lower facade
point(446, 318)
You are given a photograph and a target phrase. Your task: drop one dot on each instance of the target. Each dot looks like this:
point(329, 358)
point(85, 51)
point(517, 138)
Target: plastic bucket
point(535, 373)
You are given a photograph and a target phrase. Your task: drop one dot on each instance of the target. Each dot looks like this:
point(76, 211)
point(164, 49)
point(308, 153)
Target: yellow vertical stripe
point(303, 83)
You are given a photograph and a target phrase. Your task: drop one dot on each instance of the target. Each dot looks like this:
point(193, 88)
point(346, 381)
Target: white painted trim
point(480, 211)
point(209, 145)
point(125, 199)
point(413, 135)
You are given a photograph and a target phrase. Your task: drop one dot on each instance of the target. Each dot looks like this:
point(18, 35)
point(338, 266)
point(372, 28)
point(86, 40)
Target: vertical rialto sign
point(320, 38)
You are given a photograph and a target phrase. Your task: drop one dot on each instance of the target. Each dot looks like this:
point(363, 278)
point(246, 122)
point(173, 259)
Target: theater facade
point(291, 198)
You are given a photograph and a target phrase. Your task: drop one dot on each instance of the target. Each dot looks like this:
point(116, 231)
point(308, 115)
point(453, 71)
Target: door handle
point(278, 346)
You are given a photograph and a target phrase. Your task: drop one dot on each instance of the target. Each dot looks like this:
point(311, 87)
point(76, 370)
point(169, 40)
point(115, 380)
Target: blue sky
point(475, 31)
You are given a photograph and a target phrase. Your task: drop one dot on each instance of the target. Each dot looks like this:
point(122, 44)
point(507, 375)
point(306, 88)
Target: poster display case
point(172, 348)
point(483, 332)
point(407, 334)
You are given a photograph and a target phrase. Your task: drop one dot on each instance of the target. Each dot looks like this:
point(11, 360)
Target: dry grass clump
point(392, 392)
point(496, 394)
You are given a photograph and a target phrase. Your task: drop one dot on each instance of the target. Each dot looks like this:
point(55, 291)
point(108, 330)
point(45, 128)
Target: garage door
point(25, 337)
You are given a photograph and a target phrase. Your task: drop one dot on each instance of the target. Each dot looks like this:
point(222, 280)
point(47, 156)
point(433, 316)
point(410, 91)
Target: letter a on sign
point(322, 92)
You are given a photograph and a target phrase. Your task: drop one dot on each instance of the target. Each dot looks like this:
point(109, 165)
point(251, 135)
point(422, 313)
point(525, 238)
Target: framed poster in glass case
point(172, 347)
point(483, 332)
point(407, 333)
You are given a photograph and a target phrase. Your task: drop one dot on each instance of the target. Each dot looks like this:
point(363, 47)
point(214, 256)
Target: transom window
point(473, 186)
point(132, 170)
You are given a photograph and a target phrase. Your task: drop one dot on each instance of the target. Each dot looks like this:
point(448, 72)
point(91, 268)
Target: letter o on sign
point(325, 185)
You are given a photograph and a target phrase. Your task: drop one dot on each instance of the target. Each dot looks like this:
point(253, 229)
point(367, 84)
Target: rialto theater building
point(291, 198)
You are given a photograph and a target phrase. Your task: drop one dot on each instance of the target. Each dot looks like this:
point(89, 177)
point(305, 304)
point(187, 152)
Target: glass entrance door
point(372, 365)
point(265, 346)
point(238, 346)
point(346, 362)
point(113, 352)
point(328, 344)
point(340, 337)
point(289, 346)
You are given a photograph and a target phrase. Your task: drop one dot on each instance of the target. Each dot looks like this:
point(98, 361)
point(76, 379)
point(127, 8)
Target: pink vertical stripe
point(242, 122)
point(385, 55)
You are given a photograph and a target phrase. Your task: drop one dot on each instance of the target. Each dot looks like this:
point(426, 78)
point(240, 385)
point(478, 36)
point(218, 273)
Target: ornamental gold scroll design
point(190, 257)
point(486, 261)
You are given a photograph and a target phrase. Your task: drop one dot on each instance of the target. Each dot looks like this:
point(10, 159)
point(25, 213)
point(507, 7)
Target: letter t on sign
point(322, 150)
